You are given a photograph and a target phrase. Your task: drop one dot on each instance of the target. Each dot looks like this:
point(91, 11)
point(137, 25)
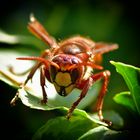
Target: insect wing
point(101, 48)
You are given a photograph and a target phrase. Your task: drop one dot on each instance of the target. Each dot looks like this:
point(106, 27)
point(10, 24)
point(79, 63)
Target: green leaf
point(8, 59)
point(95, 133)
point(34, 101)
point(103, 133)
point(31, 96)
point(60, 128)
point(125, 99)
point(8, 79)
point(77, 128)
point(131, 76)
point(20, 39)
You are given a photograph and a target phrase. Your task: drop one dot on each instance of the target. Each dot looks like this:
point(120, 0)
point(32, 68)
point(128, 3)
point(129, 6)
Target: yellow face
point(64, 81)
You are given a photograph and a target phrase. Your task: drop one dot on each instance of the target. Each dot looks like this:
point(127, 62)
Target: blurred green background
point(113, 21)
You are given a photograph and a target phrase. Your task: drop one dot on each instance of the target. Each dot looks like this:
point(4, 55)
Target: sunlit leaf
point(131, 76)
point(103, 133)
point(60, 128)
point(77, 128)
point(125, 99)
point(20, 39)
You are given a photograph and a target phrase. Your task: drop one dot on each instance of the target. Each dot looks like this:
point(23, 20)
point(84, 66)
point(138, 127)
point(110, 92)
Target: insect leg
point(30, 76)
point(105, 76)
point(42, 83)
point(82, 95)
point(32, 72)
point(11, 70)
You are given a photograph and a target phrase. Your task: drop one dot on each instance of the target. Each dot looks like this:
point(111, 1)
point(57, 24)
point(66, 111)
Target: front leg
point(42, 83)
point(105, 76)
point(30, 76)
point(22, 85)
point(102, 75)
point(85, 89)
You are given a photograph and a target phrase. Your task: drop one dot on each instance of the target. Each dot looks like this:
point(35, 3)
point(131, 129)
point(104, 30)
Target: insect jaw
point(63, 82)
point(63, 91)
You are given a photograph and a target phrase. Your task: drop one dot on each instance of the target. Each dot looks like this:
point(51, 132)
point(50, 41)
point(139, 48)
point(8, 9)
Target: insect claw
point(109, 123)
point(68, 116)
point(44, 101)
point(13, 101)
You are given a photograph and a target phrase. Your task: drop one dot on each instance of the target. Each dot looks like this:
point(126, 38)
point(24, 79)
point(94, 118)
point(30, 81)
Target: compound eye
point(74, 75)
point(53, 71)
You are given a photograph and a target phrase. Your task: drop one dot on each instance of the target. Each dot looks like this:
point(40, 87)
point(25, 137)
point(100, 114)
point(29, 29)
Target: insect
point(69, 64)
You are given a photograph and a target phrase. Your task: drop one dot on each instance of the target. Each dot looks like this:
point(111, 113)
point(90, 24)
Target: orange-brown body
point(69, 64)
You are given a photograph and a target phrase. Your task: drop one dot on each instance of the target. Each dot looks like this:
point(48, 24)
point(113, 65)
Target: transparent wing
point(101, 48)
